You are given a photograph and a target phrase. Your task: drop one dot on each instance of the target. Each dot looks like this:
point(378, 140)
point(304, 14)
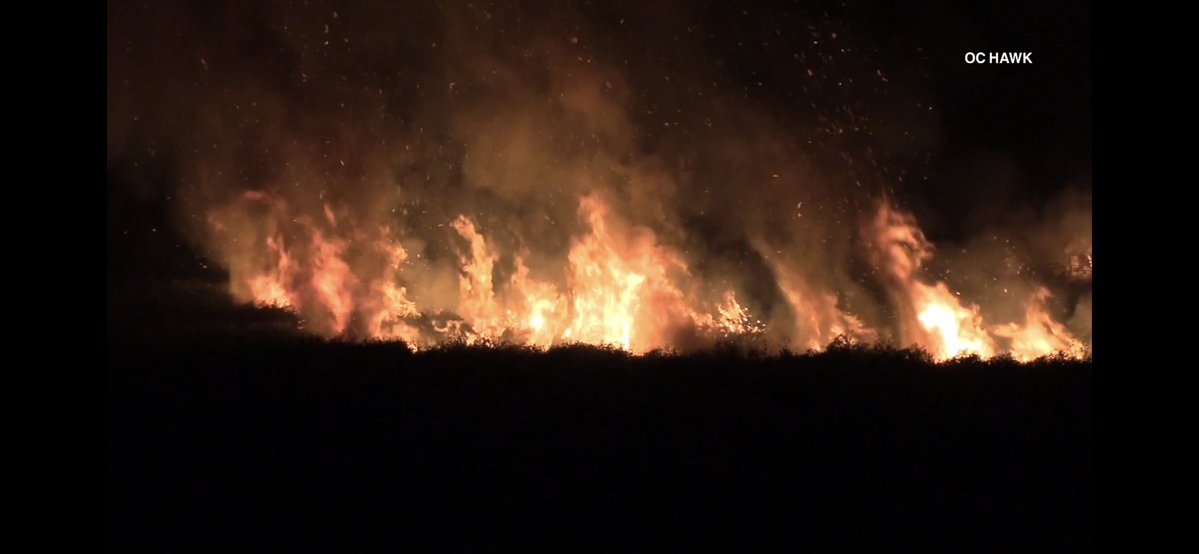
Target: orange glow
point(623, 285)
point(477, 294)
point(951, 329)
point(617, 285)
point(819, 320)
point(268, 289)
point(1039, 335)
point(331, 279)
point(390, 304)
point(542, 307)
point(943, 324)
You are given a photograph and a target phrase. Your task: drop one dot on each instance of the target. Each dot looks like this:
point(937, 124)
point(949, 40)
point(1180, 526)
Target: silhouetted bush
point(264, 441)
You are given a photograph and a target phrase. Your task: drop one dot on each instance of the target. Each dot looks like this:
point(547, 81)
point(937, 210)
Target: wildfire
point(478, 304)
point(820, 319)
point(952, 329)
point(332, 279)
point(735, 319)
point(621, 291)
point(944, 325)
point(1039, 335)
point(389, 302)
point(617, 286)
point(268, 289)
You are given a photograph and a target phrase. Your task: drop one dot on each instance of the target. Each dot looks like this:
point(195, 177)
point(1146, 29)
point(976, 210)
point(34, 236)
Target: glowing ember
point(734, 319)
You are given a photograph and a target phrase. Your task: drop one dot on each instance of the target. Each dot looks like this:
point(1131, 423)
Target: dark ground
point(258, 441)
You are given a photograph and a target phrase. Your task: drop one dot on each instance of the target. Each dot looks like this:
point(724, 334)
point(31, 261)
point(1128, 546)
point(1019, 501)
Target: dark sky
point(1038, 117)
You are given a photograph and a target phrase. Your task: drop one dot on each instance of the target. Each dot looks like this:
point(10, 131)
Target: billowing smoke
point(543, 174)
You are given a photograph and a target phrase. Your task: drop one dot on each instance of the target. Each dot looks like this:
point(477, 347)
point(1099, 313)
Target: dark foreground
point(290, 445)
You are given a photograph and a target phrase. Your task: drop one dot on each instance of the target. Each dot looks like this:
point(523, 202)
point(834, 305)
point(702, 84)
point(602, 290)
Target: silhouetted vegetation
point(263, 443)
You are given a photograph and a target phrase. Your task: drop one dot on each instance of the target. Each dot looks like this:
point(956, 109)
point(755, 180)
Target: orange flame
point(268, 289)
point(619, 287)
point(943, 324)
point(950, 329)
point(1040, 335)
point(332, 278)
point(622, 293)
point(390, 304)
point(477, 294)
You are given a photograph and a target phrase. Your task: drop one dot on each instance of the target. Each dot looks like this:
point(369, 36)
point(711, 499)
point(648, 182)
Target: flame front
point(618, 286)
